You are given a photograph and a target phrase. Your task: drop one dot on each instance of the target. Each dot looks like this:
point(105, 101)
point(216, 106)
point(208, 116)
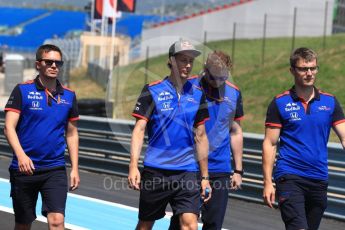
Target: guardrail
point(105, 143)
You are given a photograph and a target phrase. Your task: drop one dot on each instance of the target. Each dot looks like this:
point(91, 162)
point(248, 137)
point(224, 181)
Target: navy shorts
point(302, 201)
point(51, 183)
point(159, 188)
point(212, 212)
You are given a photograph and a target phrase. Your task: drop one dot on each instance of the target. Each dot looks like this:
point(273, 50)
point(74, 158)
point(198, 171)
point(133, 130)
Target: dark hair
point(45, 49)
point(304, 54)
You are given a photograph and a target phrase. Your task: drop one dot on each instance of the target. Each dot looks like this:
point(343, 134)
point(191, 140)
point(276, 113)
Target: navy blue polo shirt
point(224, 106)
point(42, 122)
point(171, 121)
point(305, 129)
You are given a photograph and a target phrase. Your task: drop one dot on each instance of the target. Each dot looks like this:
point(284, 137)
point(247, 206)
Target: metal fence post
point(233, 46)
point(325, 26)
point(204, 48)
point(264, 41)
point(294, 29)
point(147, 63)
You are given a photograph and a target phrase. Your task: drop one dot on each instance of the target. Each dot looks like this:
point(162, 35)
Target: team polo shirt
point(42, 122)
point(171, 121)
point(224, 106)
point(304, 133)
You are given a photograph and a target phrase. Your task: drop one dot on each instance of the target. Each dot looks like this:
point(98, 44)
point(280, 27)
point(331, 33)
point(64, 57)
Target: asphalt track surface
point(240, 215)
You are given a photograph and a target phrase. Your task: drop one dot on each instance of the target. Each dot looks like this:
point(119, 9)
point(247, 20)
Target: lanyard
point(51, 95)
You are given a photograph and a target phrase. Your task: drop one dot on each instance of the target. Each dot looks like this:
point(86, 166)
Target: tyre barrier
point(94, 107)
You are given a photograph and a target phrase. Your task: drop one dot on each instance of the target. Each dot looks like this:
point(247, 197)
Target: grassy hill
point(259, 83)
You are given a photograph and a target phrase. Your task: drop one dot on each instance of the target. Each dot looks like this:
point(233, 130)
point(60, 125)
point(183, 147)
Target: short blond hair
point(218, 59)
point(218, 63)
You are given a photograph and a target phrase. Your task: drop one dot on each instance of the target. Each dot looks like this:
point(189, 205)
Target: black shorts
point(302, 201)
point(53, 186)
point(159, 188)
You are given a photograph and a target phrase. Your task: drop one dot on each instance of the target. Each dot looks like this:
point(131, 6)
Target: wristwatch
point(205, 178)
point(241, 172)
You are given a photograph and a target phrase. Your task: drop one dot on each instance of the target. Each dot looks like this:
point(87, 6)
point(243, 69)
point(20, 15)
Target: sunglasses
point(218, 78)
point(49, 62)
point(305, 69)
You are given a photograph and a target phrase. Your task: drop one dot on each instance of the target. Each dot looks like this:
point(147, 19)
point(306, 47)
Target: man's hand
point(74, 180)
point(138, 136)
point(25, 165)
point(205, 184)
point(134, 178)
point(269, 150)
point(269, 194)
point(236, 181)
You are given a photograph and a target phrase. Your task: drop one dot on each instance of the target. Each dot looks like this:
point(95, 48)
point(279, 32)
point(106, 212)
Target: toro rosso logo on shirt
point(63, 101)
point(324, 108)
point(227, 99)
point(294, 116)
point(292, 107)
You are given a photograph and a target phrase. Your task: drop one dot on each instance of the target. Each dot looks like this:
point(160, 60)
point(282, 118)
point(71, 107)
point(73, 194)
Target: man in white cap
point(174, 112)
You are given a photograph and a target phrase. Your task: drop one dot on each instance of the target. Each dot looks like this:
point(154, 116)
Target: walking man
point(302, 118)
point(40, 119)
point(225, 136)
point(173, 111)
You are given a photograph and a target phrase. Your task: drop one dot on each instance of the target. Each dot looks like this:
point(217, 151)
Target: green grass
point(258, 83)
point(84, 86)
